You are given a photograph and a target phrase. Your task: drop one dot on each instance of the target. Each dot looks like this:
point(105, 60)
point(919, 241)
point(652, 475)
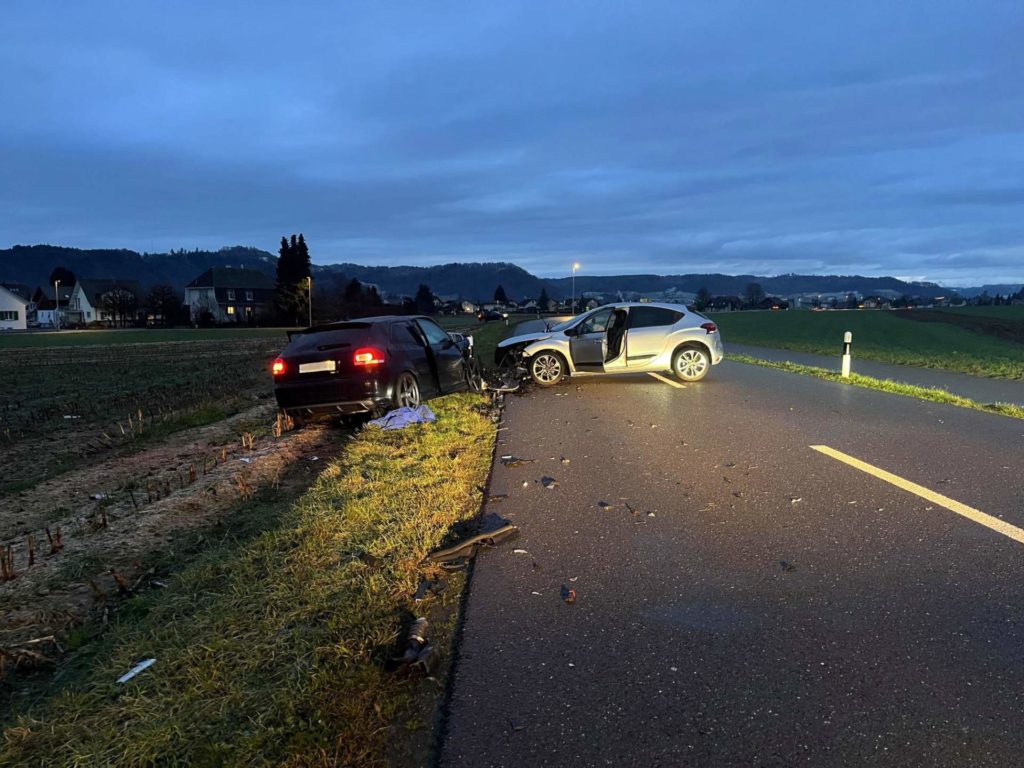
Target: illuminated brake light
point(368, 356)
point(278, 367)
point(710, 327)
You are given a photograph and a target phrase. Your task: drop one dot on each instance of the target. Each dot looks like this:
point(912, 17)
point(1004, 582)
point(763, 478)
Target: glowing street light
point(572, 307)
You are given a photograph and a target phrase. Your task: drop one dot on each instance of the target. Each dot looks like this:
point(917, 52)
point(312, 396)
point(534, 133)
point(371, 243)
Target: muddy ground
point(82, 541)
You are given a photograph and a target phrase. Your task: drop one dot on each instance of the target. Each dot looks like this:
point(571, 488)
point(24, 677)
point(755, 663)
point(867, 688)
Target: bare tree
point(120, 304)
point(165, 303)
point(753, 294)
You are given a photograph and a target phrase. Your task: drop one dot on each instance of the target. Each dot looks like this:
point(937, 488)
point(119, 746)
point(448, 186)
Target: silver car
point(618, 338)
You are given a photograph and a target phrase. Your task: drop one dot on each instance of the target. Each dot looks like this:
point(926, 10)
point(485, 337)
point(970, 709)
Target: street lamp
point(309, 283)
point(56, 304)
point(575, 266)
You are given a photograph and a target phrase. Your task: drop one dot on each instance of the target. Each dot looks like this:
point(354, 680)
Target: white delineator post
point(847, 341)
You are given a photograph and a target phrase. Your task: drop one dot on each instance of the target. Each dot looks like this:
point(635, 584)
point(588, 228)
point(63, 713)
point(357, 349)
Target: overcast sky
point(877, 138)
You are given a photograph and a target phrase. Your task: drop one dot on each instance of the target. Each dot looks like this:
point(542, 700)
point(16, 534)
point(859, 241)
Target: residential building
point(110, 302)
point(230, 295)
point(725, 304)
point(13, 310)
point(46, 309)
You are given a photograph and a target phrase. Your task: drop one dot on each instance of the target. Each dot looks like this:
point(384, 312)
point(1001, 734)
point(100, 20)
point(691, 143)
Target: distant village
point(224, 296)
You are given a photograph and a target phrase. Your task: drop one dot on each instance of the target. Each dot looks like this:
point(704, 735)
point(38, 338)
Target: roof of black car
point(356, 322)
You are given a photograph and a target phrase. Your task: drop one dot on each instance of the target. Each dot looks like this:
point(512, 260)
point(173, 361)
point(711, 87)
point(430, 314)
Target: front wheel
point(547, 368)
point(691, 364)
point(407, 392)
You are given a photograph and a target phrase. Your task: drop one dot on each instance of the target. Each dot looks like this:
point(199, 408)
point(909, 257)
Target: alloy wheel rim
point(691, 363)
point(547, 368)
point(408, 395)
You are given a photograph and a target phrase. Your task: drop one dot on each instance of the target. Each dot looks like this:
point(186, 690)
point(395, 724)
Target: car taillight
point(709, 327)
point(368, 356)
point(278, 367)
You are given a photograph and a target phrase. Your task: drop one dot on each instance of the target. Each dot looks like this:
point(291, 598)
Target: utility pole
point(309, 282)
point(56, 304)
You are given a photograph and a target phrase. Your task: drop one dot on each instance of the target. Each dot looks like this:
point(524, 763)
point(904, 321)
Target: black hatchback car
point(370, 365)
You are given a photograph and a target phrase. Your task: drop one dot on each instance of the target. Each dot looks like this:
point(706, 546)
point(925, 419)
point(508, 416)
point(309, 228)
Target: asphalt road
point(746, 600)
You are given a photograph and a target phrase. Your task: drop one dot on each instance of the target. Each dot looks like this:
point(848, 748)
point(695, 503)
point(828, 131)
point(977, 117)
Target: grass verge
point(885, 385)
point(882, 335)
point(272, 651)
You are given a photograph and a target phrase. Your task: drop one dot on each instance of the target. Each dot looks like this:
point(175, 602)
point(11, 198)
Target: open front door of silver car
point(588, 342)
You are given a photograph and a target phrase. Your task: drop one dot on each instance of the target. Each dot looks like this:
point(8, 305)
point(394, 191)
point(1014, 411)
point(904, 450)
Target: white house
point(114, 302)
point(13, 311)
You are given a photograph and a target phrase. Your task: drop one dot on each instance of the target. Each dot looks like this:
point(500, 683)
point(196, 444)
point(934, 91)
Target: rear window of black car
point(652, 317)
point(338, 336)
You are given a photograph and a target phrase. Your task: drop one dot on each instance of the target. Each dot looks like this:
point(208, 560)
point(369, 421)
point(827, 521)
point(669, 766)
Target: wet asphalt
point(742, 599)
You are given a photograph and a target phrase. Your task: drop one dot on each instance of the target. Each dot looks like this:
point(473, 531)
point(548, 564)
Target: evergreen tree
point(499, 296)
point(543, 302)
point(353, 292)
point(302, 262)
point(293, 269)
point(424, 300)
point(373, 297)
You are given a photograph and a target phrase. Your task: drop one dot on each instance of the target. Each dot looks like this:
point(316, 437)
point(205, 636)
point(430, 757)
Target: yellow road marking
point(997, 525)
point(667, 380)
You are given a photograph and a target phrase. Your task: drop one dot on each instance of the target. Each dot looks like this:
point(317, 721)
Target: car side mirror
point(447, 343)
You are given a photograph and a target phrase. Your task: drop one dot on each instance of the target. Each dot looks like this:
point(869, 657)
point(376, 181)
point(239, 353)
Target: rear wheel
point(407, 391)
point(547, 368)
point(691, 363)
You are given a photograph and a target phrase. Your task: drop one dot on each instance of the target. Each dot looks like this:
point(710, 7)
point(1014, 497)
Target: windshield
point(568, 323)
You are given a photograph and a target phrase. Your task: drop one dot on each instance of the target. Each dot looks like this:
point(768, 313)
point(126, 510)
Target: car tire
point(406, 393)
point(691, 363)
point(547, 368)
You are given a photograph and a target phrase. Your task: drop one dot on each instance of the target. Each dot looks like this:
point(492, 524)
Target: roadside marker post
point(847, 341)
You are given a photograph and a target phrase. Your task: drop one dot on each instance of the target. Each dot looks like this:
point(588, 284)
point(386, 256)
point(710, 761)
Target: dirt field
point(115, 463)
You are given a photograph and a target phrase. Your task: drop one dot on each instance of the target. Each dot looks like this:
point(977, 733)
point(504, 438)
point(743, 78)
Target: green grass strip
point(271, 651)
point(934, 394)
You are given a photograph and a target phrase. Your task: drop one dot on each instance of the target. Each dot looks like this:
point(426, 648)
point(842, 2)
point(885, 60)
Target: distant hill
point(718, 284)
point(996, 289)
point(31, 264)
point(469, 280)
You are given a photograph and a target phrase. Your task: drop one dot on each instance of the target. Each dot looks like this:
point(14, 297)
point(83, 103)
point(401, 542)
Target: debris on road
point(549, 482)
point(515, 461)
point(520, 552)
point(458, 556)
point(568, 594)
point(795, 499)
point(565, 460)
point(604, 505)
point(787, 567)
point(140, 667)
point(400, 418)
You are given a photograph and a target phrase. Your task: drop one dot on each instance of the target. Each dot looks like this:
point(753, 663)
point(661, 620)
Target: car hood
point(525, 338)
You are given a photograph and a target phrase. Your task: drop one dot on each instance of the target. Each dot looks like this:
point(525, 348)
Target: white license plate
point(324, 365)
